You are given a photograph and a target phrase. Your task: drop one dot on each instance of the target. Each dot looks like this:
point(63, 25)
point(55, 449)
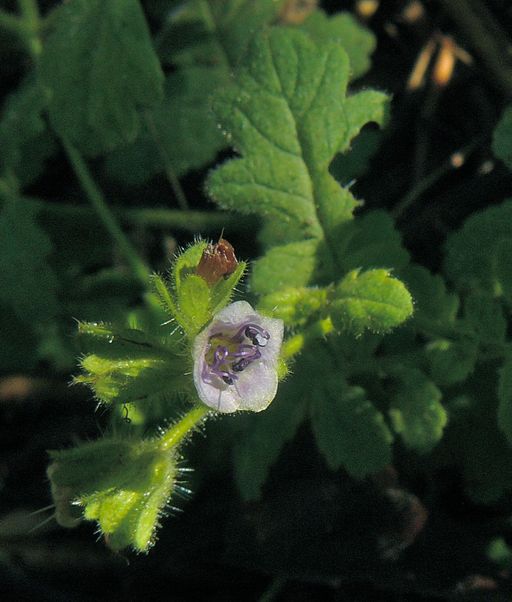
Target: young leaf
point(28, 284)
point(349, 430)
point(417, 413)
point(370, 300)
point(295, 306)
point(502, 138)
point(99, 65)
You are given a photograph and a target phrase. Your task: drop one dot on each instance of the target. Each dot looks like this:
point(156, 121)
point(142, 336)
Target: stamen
point(257, 335)
point(226, 361)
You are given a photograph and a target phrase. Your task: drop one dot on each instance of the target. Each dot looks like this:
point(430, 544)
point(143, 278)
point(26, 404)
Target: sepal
point(123, 485)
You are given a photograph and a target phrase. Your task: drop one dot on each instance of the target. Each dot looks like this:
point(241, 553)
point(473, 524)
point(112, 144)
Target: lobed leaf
point(349, 430)
point(417, 413)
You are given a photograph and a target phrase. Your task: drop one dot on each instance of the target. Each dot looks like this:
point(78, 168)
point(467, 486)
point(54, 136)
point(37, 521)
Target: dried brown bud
point(217, 261)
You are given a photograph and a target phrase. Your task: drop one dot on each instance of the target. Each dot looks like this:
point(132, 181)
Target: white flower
point(235, 359)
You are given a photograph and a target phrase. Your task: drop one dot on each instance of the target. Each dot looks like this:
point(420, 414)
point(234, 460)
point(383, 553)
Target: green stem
point(295, 344)
point(30, 14)
point(177, 432)
point(106, 216)
point(432, 178)
point(169, 170)
point(483, 41)
point(176, 219)
point(211, 25)
point(12, 23)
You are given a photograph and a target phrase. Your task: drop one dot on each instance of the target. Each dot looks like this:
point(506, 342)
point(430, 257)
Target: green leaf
point(451, 361)
point(288, 120)
point(502, 267)
point(471, 251)
point(123, 485)
point(349, 430)
point(295, 306)
point(484, 315)
point(289, 265)
point(180, 133)
point(372, 241)
point(24, 137)
point(435, 307)
point(417, 413)
point(28, 285)
point(99, 65)
point(502, 138)
point(208, 32)
point(505, 398)
point(370, 300)
point(357, 41)
point(261, 441)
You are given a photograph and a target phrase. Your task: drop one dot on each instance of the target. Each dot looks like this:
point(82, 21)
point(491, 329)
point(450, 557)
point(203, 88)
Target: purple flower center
point(229, 353)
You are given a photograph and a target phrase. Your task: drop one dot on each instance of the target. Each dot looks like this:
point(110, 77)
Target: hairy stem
point(106, 216)
point(177, 432)
point(187, 221)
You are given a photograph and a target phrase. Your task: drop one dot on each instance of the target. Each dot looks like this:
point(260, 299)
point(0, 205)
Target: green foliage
point(123, 485)
point(417, 413)
point(24, 137)
point(349, 430)
point(502, 138)
point(99, 67)
point(505, 397)
point(358, 42)
point(125, 366)
point(28, 284)
point(471, 251)
point(371, 300)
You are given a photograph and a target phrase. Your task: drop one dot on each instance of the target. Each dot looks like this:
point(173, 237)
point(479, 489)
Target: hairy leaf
point(370, 300)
